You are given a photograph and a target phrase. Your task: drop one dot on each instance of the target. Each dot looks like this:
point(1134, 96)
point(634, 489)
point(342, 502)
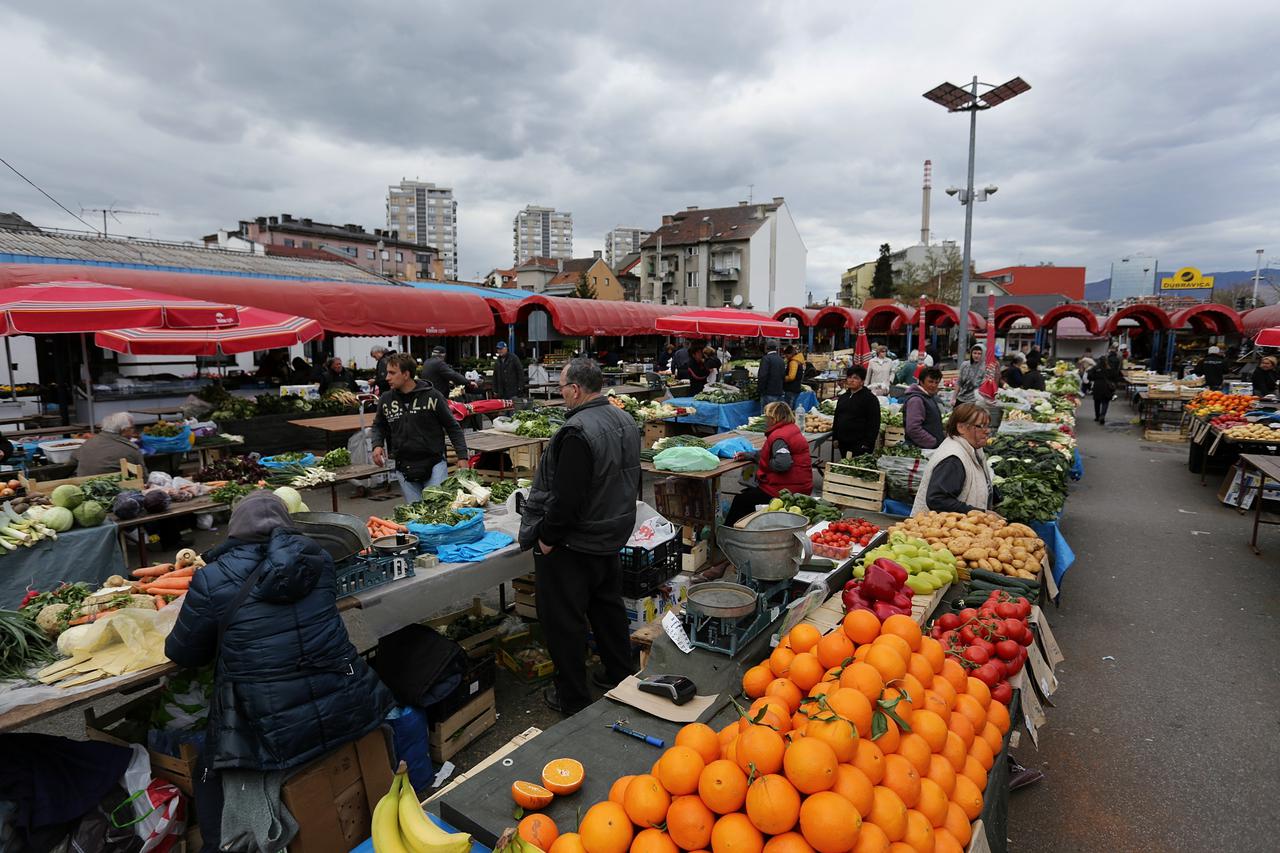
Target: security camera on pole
point(958, 100)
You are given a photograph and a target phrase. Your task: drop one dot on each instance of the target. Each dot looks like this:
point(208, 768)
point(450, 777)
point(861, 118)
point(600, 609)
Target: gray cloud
point(1127, 142)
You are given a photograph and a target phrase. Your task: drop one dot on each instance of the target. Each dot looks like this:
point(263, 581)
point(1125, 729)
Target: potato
point(975, 554)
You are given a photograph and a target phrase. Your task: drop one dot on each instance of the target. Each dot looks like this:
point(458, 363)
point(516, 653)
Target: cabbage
point(67, 495)
point(155, 500)
point(302, 507)
point(291, 497)
point(128, 505)
point(58, 519)
point(89, 514)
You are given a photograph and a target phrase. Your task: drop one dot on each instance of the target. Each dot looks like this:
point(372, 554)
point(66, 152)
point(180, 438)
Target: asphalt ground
point(1163, 731)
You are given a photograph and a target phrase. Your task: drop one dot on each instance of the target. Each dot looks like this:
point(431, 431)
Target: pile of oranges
point(867, 738)
point(1217, 403)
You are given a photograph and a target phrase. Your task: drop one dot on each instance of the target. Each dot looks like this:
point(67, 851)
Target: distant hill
point(1097, 291)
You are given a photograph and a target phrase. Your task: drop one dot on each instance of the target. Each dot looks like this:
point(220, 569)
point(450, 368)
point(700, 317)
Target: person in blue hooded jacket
point(289, 687)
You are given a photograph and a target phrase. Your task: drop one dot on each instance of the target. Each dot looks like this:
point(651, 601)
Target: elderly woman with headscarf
point(289, 687)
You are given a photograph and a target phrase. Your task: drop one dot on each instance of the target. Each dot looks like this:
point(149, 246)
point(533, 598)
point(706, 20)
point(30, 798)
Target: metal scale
point(722, 616)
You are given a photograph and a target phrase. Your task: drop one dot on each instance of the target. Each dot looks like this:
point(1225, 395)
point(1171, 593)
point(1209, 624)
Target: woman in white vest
point(958, 477)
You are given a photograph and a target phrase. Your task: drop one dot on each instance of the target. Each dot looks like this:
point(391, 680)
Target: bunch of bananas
point(400, 825)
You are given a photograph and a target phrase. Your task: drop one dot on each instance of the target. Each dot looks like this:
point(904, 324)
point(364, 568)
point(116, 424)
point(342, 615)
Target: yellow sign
point(1187, 278)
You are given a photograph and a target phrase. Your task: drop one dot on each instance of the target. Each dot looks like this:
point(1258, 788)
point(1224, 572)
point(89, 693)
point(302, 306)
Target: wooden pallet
point(457, 731)
point(1179, 437)
point(850, 491)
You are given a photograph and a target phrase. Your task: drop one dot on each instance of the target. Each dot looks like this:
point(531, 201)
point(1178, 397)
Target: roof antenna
point(751, 188)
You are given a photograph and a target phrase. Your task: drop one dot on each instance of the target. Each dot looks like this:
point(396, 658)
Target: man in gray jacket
point(580, 512)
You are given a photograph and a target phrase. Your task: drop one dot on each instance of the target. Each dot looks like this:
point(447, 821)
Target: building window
point(306, 244)
point(691, 251)
point(395, 208)
point(288, 242)
point(399, 257)
point(368, 254)
point(691, 280)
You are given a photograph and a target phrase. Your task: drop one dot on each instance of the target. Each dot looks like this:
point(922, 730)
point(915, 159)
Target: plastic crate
point(682, 501)
point(479, 677)
point(644, 569)
point(363, 572)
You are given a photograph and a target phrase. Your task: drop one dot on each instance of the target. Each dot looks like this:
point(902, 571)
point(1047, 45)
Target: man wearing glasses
point(581, 510)
point(958, 477)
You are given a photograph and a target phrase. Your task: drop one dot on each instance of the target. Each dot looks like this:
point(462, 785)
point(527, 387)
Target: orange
point(773, 804)
point(539, 830)
point(780, 661)
point(890, 737)
point(563, 776)
point(834, 648)
point(911, 686)
point(980, 691)
point(954, 751)
point(972, 709)
point(946, 690)
point(829, 822)
point(702, 738)
point(942, 774)
point(679, 769)
point(734, 833)
point(930, 726)
point(787, 842)
point(919, 832)
point(860, 653)
point(958, 824)
point(689, 822)
point(723, 786)
point(619, 789)
point(960, 725)
point(863, 677)
point(824, 686)
point(916, 749)
point(919, 669)
point(530, 796)
point(835, 731)
point(653, 841)
point(975, 771)
point(967, 797)
point(901, 847)
point(889, 813)
point(567, 842)
point(981, 750)
point(934, 702)
point(646, 801)
point(786, 690)
point(810, 765)
point(933, 802)
point(777, 716)
point(653, 769)
point(854, 706)
point(803, 637)
point(901, 777)
point(605, 828)
point(899, 645)
point(904, 627)
point(755, 680)
point(945, 842)
point(799, 722)
point(887, 662)
point(953, 672)
point(861, 626)
point(731, 751)
point(870, 760)
point(760, 750)
point(806, 670)
point(728, 733)
point(998, 714)
point(992, 735)
point(854, 786)
point(871, 839)
point(933, 652)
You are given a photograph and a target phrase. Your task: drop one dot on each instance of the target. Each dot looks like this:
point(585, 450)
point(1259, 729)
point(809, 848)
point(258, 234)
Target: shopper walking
point(581, 510)
point(921, 416)
point(972, 372)
point(793, 381)
point(411, 424)
point(770, 376)
point(509, 377)
point(880, 371)
point(441, 375)
point(1103, 379)
point(857, 420)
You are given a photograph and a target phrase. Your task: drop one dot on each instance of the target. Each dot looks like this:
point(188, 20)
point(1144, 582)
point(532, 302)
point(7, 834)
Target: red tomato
point(949, 621)
point(977, 654)
point(1002, 693)
point(1007, 649)
point(987, 674)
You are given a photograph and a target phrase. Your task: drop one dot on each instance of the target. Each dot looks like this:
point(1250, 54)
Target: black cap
point(438, 350)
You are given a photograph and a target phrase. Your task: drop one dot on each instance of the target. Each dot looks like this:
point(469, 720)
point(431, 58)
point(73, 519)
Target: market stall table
point(348, 473)
point(336, 425)
point(175, 510)
point(1209, 444)
point(1268, 467)
point(708, 479)
point(87, 554)
point(34, 432)
point(497, 441)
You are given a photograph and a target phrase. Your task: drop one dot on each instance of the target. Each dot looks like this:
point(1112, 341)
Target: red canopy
point(990, 384)
point(597, 316)
point(62, 307)
point(847, 318)
point(730, 322)
point(805, 316)
point(339, 307)
point(1268, 337)
point(258, 330)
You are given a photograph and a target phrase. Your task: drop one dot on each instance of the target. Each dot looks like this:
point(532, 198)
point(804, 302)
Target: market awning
point(340, 307)
point(595, 316)
point(1149, 317)
point(1071, 309)
point(71, 307)
point(841, 317)
point(804, 316)
point(728, 322)
point(1005, 315)
point(1268, 337)
point(258, 330)
point(1208, 317)
point(941, 315)
point(887, 318)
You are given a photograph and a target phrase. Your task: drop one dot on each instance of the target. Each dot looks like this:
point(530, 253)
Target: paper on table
point(628, 693)
point(675, 630)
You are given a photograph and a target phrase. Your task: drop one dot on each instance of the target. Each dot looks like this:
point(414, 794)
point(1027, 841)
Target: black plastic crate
point(645, 569)
point(480, 676)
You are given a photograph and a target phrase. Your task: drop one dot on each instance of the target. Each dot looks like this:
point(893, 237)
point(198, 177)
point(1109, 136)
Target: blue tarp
point(723, 416)
point(807, 400)
point(1077, 464)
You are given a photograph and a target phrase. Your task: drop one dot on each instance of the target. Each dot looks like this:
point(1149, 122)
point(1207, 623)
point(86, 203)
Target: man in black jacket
point(441, 376)
point(857, 421)
point(580, 512)
point(1212, 367)
point(379, 354)
point(412, 421)
point(334, 376)
point(509, 377)
point(769, 377)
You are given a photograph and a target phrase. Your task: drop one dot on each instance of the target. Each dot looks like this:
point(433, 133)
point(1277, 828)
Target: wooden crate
point(131, 473)
point(1169, 437)
point(923, 605)
point(848, 490)
point(477, 645)
point(457, 731)
point(894, 435)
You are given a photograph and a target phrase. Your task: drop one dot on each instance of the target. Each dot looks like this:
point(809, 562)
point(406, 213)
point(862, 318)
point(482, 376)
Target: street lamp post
point(956, 99)
point(1257, 274)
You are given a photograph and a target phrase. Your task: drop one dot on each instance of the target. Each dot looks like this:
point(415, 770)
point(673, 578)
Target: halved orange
point(563, 775)
point(530, 796)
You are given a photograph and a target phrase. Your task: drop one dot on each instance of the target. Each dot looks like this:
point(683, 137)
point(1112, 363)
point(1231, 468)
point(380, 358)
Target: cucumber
point(1002, 580)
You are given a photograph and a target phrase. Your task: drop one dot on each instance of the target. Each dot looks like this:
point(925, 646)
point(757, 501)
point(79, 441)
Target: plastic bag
point(159, 478)
point(431, 536)
point(159, 814)
point(272, 462)
point(179, 443)
point(728, 447)
point(651, 533)
point(502, 423)
point(686, 459)
point(140, 632)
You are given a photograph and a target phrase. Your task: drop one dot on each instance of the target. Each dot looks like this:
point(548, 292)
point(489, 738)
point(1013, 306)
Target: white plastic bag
point(158, 807)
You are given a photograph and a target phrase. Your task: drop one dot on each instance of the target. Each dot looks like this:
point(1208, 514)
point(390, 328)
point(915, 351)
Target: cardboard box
point(509, 649)
point(479, 644)
point(696, 558)
point(333, 798)
point(1240, 490)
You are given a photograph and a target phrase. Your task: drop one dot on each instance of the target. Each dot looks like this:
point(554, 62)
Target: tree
point(585, 289)
point(882, 278)
point(937, 278)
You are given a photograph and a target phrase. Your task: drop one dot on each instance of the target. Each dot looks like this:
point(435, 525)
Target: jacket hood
point(916, 390)
point(294, 564)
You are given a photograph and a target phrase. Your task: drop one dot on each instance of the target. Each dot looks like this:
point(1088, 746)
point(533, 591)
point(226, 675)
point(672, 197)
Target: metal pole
point(8, 360)
point(88, 381)
point(968, 222)
point(1257, 274)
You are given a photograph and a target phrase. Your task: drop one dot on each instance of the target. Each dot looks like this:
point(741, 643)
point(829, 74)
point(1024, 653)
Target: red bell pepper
point(899, 573)
point(884, 610)
point(879, 583)
point(854, 598)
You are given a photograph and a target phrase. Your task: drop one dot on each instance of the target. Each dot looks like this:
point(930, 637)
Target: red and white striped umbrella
point(862, 347)
point(990, 384)
point(920, 343)
point(62, 307)
point(259, 329)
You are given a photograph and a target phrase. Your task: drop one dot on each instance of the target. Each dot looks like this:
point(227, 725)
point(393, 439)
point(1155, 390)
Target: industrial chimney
point(924, 202)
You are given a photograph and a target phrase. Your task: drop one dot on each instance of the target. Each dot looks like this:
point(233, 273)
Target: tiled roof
point(577, 265)
point(539, 263)
point(21, 245)
point(714, 224)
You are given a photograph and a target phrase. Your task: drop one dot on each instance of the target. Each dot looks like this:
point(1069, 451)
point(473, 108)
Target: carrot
point(216, 484)
point(161, 601)
point(184, 572)
point(165, 586)
point(153, 571)
point(382, 522)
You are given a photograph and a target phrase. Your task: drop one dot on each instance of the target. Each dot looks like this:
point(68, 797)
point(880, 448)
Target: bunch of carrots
point(167, 581)
point(381, 527)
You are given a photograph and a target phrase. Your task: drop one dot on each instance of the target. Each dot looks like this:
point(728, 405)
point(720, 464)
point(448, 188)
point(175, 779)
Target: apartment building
point(541, 232)
point(748, 256)
point(621, 242)
point(426, 214)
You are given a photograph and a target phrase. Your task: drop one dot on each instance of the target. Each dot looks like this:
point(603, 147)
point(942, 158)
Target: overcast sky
point(1150, 127)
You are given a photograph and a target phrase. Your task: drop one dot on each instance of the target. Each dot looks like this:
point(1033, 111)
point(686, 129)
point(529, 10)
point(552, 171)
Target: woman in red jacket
point(783, 463)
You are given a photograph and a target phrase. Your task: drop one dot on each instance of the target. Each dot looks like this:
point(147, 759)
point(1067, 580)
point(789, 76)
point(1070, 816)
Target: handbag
point(224, 716)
